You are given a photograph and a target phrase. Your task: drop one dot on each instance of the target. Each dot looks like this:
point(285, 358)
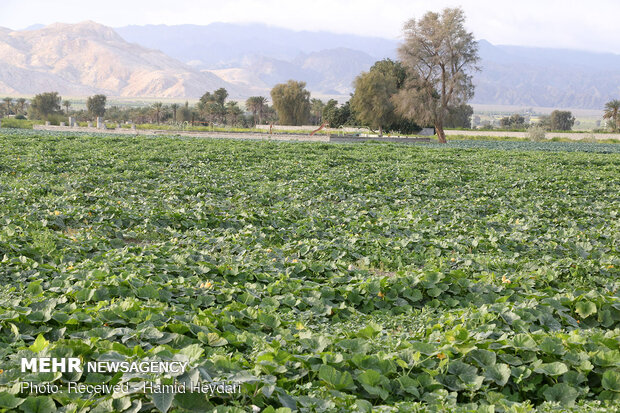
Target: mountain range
point(184, 61)
point(544, 77)
point(88, 58)
point(259, 56)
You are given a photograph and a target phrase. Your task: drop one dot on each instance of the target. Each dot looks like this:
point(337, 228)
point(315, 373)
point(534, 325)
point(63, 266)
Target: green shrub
point(15, 123)
point(56, 119)
point(536, 133)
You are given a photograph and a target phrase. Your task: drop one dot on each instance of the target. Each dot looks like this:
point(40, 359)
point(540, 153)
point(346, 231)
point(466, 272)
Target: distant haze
point(573, 24)
point(185, 61)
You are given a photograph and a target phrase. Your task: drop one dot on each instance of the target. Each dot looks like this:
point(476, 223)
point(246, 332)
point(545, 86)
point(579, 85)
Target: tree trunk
point(441, 135)
point(380, 131)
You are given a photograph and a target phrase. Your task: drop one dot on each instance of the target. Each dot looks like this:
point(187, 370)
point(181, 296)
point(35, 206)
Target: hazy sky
point(586, 25)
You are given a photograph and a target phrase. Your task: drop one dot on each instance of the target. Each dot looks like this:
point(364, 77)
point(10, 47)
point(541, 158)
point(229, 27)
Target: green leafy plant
point(472, 276)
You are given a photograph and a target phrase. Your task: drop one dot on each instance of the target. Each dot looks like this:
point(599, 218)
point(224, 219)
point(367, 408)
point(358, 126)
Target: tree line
point(428, 85)
point(558, 120)
point(424, 87)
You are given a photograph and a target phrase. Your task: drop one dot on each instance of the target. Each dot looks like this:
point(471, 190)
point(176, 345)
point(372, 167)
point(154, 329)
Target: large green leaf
point(370, 331)
point(193, 351)
point(9, 401)
point(552, 345)
point(524, 342)
point(162, 401)
point(484, 358)
point(212, 339)
point(85, 294)
point(374, 383)
point(38, 404)
point(607, 358)
point(562, 393)
point(499, 373)
point(611, 380)
point(585, 308)
point(336, 379)
point(466, 372)
point(39, 344)
point(552, 369)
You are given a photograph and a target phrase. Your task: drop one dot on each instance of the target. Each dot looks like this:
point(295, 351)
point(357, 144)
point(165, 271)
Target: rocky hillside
point(329, 72)
point(225, 45)
point(87, 58)
point(555, 78)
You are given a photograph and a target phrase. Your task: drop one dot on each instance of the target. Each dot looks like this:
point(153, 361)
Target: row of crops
point(472, 277)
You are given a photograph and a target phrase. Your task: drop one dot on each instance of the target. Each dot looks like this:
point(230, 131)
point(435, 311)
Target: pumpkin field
point(470, 277)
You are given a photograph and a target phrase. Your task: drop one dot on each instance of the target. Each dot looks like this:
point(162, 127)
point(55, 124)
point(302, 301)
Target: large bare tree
point(439, 55)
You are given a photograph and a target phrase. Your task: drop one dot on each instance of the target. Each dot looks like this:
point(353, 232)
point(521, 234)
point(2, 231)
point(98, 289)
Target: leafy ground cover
point(477, 276)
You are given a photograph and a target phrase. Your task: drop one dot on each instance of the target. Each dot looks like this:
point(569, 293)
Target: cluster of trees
point(429, 84)
point(515, 121)
point(293, 106)
point(559, 120)
point(374, 104)
point(17, 107)
point(292, 102)
point(257, 105)
point(212, 108)
point(42, 106)
point(338, 115)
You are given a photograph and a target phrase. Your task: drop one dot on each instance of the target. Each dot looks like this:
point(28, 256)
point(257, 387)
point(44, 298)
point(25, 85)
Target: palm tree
point(21, 103)
point(256, 105)
point(7, 103)
point(157, 108)
point(233, 111)
point(66, 104)
point(612, 110)
point(174, 108)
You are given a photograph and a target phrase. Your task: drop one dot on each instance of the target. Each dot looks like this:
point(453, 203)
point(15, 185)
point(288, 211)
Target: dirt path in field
point(320, 138)
point(231, 135)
